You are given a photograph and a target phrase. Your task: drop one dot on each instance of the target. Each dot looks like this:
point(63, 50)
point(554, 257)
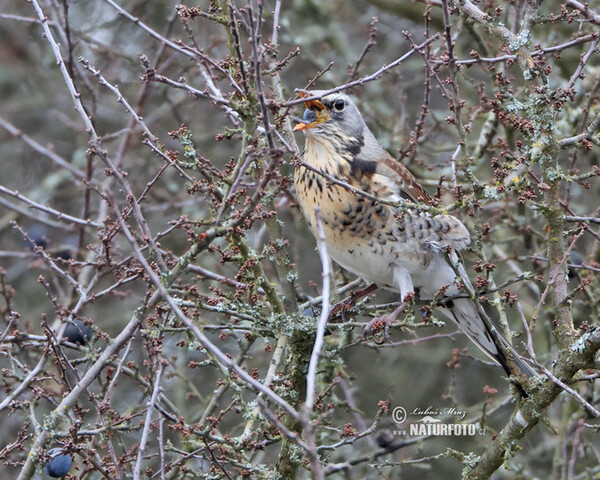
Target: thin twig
point(195, 330)
point(571, 392)
point(51, 211)
point(311, 377)
point(150, 408)
point(368, 78)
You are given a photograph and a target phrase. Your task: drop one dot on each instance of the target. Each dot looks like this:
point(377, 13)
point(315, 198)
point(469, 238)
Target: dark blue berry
point(78, 332)
point(59, 464)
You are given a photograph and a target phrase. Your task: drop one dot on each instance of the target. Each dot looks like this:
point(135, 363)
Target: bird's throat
point(325, 155)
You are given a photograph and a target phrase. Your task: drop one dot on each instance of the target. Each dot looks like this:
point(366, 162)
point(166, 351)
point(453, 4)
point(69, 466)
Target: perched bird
point(394, 247)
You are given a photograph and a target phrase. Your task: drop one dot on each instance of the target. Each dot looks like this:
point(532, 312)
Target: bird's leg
point(380, 326)
point(348, 302)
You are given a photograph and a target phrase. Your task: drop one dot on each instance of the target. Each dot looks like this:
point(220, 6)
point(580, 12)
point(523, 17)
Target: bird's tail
point(481, 332)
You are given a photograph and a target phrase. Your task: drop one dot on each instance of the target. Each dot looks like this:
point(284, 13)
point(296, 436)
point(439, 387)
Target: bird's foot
point(379, 328)
point(347, 303)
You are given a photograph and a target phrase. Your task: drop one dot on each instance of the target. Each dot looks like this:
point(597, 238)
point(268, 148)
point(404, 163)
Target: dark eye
point(339, 105)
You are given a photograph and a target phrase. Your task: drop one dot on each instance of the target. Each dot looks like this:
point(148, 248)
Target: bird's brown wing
point(396, 180)
point(393, 181)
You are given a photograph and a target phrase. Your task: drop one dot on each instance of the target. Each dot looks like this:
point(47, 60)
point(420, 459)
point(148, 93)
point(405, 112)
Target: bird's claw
point(379, 328)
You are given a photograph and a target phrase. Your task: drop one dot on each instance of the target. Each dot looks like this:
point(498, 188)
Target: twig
point(195, 330)
point(43, 208)
point(527, 329)
point(30, 142)
point(187, 51)
point(37, 218)
point(585, 9)
point(370, 43)
point(150, 408)
point(311, 377)
point(582, 63)
point(318, 75)
point(257, 61)
point(503, 58)
point(90, 376)
point(570, 391)
point(368, 78)
point(581, 352)
point(556, 272)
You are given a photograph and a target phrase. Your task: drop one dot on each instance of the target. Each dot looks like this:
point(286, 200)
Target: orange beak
point(318, 110)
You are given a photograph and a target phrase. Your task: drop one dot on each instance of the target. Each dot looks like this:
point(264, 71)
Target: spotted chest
point(367, 238)
point(344, 214)
point(354, 227)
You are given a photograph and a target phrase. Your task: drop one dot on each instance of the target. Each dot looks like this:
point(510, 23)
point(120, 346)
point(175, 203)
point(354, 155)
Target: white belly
point(365, 264)
point(377, 265)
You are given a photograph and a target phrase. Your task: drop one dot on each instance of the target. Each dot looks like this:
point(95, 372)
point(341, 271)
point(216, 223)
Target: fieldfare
point(384, 242)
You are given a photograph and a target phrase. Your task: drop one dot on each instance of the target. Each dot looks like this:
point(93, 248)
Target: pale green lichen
point(528, 74)
point(265, 472)
point(553, 173)
point(514, 106)
point(520, 40)
point(491, 192)
point(220, 307)
point(252, 412)
point(469, 460)
point(578, 345)
point(292, 277)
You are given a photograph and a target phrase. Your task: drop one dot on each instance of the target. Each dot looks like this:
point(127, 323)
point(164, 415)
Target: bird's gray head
point(331, 114)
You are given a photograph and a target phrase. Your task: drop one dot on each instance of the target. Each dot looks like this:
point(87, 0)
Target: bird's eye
point(339, 105)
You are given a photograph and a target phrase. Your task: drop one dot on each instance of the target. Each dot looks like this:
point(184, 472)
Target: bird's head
point(331, 114)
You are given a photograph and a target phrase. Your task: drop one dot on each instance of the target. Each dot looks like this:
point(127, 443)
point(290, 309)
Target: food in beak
point(314, 114)
point(309, 116)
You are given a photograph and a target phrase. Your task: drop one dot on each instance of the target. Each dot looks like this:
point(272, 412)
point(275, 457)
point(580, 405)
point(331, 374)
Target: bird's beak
point(314, 114)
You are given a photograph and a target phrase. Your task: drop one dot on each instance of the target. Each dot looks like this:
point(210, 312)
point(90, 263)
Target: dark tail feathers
point(481, 331)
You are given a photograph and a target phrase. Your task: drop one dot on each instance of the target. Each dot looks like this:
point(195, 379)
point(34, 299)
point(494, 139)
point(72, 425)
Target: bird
point(367, 204)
